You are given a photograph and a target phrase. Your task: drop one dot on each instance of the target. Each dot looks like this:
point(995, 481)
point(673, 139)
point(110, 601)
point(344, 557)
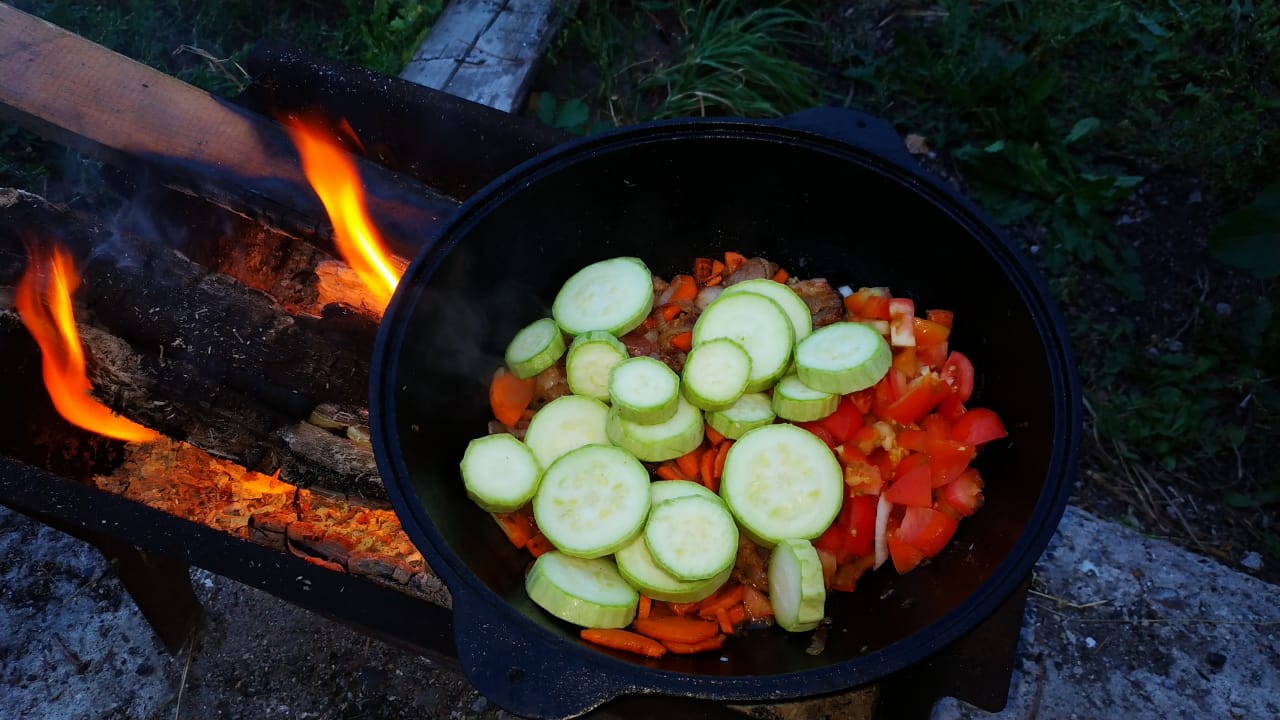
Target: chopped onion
point(845, 291)
point(706, 295)
point(882, 526)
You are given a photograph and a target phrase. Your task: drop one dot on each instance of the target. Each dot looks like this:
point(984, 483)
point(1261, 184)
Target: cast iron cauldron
point(825, 193)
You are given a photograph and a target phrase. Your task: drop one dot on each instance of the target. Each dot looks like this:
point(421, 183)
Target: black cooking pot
point(824, 193)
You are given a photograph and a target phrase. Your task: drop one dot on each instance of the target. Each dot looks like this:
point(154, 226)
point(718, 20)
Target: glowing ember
point(44, 304)
point(334, 177)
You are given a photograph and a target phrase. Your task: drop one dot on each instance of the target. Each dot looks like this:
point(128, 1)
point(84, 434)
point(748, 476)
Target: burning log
point(199, 356)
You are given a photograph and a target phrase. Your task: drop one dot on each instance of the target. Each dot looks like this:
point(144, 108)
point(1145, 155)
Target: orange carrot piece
point(539, 544)
point(624, 640)
point(688, 463)
point(722, 452)
point(713, 643)
point(737, 614)
point(683, 287)
point(715, 280)
point(509, 396)
point(677, 629)
point(707, 466)
point(668, 471)
point(781, 276)
point(714, 435)
point(682, 609)
point(670, 311)
point(733, 261)
point(645, 607)
point(717, 268)
point(725, 598)
point(517, 525)
point(683, 341)
point(722, 619)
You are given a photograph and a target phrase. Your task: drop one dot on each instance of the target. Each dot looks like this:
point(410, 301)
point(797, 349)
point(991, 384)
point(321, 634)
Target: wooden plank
point(487, 50)
point(104, 104)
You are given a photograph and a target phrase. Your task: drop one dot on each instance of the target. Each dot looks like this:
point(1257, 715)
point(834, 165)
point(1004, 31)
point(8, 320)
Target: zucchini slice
point(566, 423)
point(592, 356)
point(692, 537)
point(500, 472)
point(796, 589)
point(749, 412)
point(757, 324)
point(843, 357)
point(662, 441)
point(586, 592)
point(612, 295)
point(797, 402)
point(644, 390)
point(716, 374)
point(797, 311)
point(592, 501)
point(535, 348)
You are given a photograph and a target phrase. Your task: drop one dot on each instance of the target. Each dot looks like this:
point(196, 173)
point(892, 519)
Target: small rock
point(1252, 560)
point(1090, 643)
point(1035, 249)
point(1174, 346)
point(479, 705)
point(1223, 309)
point(1216, 661)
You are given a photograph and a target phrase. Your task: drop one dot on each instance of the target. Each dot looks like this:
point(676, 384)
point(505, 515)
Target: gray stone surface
point(1121, 626)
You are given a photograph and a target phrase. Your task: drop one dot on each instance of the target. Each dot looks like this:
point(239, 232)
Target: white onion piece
point(882, 526)
point(845, 291)
point(706, 295)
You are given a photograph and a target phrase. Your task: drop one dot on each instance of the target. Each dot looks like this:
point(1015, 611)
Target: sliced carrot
point(737, 614)
point(676, 628)
point(722, 452)
point(688, 463)
point(733, 261)
point(714, 436)
point(682, 287)
point(707, 466)
point(683, 341)
point(624, 640)
point(715, 280)
point(713, 643)
point(517, 525)
point(717, 268)
point(645, 607)
point(509, 396)
point(682, 609)
point(668, 471)
point(670, 311)
point(722, 619)
point(781, 276)
point(726, 598)
point(539, 544)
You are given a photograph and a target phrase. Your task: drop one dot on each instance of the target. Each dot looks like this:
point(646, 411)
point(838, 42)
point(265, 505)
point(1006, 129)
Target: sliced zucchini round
point(796, 589)
point(692, 537)
point(586, 592)
point(797, 311)
point(757, 324)
point(716, 374)
point(500, 473)
point(781, 482)
point(566, 423)
point(592, 501)
point(662, 441)
point(592, 356)
point(612, 295)
point(749, 412)
point(535, 348)
point(797, 402)
point(663, 490)
point(644, 390)
point(843, 357)
point(637, 567)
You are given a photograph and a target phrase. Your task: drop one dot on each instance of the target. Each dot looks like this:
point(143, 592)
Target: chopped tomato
point(963, 496)
point(828, 560)
point(904, 361)
point(862, 477)
point(947, 459)
point(922, 395)
point(817, 428)
point(926, 529)
point(928, 332)
point(977, 426)
point(902, 316)
point(905, 555)
point(865, 439)
point(843, 421)
point(958, 373)
point(912, 483)
point(858, 516)
point(869, 303)
point(847, 573)
point(914, 439)
point(951, 408)
point(942, 317)
point(832, 541)
point(882, 460)
point(935, 356)
point(861, 400)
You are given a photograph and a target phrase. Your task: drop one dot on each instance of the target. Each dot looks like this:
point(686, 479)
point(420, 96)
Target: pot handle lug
point(503, 663)
point(855, 128)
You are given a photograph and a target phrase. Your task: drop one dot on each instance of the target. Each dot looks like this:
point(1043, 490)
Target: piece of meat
point(825, 304)
point(549, 385)
point(752, 269)
point(751, 567)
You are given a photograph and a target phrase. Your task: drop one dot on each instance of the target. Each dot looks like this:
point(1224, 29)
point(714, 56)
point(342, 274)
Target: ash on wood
point(198, 356)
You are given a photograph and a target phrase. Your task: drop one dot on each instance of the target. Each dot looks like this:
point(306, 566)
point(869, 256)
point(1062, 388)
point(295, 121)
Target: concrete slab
point(1120, 626)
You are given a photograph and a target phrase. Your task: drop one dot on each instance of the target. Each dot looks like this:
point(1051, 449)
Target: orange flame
point(334, 177)
point(44, 304)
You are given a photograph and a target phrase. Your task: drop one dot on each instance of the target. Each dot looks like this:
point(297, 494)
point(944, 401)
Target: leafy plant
point(1249, 238)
